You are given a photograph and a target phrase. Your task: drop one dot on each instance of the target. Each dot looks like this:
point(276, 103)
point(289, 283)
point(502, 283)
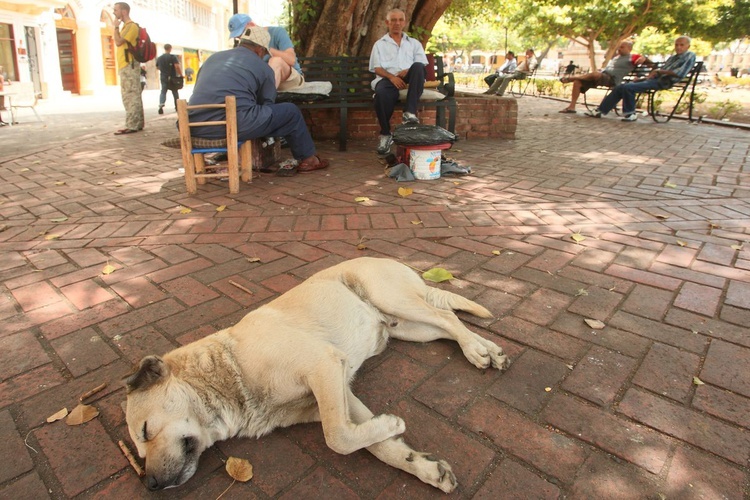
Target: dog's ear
point(151, 370)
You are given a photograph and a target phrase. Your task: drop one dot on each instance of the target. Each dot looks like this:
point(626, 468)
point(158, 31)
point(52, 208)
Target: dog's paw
point(498, 359)
point(389, 425)
point(434, 471)
point(477, 354)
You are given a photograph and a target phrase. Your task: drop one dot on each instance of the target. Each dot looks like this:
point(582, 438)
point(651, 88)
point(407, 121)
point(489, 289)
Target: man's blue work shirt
point(680, 64)
point(241, 73)
point(280, 41)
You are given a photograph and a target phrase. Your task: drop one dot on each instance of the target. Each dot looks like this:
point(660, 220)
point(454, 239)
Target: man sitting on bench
point(611, 76)
point(522, 72)
point(398, 60)
point(673, 70)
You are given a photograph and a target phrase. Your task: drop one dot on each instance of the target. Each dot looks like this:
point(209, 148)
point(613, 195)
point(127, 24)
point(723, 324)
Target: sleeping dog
point(291, 361)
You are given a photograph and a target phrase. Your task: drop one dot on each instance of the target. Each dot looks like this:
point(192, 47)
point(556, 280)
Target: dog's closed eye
point(145, 431)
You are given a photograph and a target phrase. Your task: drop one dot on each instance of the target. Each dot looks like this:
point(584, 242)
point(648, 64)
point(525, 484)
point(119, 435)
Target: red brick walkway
point(582, 413)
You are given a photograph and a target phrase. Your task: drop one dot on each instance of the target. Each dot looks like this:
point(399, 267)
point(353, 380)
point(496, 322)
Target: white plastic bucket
point(425, 163)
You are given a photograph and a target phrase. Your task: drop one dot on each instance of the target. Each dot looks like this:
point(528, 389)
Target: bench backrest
point(350, 76)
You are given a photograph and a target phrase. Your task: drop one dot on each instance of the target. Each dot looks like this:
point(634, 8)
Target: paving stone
point(29, 487)
point(704, 432)
point(726, 366)
point(596, 303)
point(659, 332)
point(23, 386)
point(723, 404)
point(542, 306)
point(548, 451)
point(620, 341)
point(523, 386)
point(668, 371)
point(709, 327)
point(515, 481)
point(83, 351)
point(634, 443)
point(695, 474)
point(67, 447)
point(19, 353)
point(648, 302)
point(602, 477)
point(379, 388)
point(738, 294)
point(35, 296)
point(277, 462)
point(698, 298)
point(14, 455)
point(600, 375)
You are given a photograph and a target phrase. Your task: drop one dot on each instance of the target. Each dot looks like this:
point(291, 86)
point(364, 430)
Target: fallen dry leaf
point(119, 162)
point(221, 208)
point(669, 184)
point(253, 259)
point(60, 183)
point(81, 414)
point(59, 219)
point(736, 247)
point(437, 275)
point(51, 236)
point(577, 237)
point(57, 416)
point(240, 469)
point(109, 269)
point(681, 243)
point(594, 323)
point(361, 246)
point(698, 381)
point(415, 222)
point(361, 199)
point(185, 210)
point(496, 252)
point(404, 192)
point(582, 291)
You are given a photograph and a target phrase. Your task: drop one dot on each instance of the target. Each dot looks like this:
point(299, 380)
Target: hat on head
point(258, 35)
point(237, 24)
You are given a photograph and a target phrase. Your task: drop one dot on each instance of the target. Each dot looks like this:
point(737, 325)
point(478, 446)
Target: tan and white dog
point(291, 361)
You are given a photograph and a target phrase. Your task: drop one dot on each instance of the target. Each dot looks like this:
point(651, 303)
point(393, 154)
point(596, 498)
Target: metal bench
point(350, 78)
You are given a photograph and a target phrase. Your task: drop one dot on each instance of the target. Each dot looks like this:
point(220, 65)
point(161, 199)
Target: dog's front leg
point(328, 381)
point(396, 453)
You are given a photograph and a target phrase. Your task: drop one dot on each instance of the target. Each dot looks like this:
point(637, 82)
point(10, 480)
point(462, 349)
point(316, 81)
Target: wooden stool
point(193, 148)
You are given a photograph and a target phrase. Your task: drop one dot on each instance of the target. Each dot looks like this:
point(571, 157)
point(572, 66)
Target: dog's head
point(163, 423)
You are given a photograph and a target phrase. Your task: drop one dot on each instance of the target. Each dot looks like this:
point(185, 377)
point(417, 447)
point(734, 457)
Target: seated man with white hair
point(673, 70)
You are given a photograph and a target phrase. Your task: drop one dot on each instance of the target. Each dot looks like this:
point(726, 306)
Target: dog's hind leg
point(396, 453)
point(423, 321)
point(328, 379)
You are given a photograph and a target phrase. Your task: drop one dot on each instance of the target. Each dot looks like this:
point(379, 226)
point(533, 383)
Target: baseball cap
point(237, 24)
point(258, 35)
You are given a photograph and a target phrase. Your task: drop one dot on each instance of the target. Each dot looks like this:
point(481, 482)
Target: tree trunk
point(351, 27)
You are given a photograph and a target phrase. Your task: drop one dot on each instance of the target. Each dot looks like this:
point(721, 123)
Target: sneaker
point(161, 110)
point(630, 117)
point(410, 118)
point(595, 113)
point(384, 144)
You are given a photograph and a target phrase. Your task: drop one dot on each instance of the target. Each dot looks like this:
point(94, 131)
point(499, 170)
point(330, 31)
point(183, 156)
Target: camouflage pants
point(130, 86)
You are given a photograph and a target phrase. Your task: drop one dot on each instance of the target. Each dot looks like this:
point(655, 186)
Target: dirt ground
point(718, 94)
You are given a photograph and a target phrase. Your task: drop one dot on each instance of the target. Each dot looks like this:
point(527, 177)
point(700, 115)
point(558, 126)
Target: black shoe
point(161, 110)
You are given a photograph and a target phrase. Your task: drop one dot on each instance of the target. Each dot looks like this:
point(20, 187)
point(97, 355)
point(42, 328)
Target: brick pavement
point(582, 413)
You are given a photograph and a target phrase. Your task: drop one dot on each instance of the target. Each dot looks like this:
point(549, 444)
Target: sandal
point(287, 168)
point(309, 167)
point(566, 110)
point(126, 131)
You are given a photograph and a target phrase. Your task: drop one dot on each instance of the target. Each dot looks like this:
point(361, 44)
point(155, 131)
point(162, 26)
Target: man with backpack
point(169, 69)
point(128, 68)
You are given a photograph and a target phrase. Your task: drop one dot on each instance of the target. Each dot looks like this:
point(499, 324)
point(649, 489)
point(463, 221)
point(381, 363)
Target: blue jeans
point(386, 96)
point(286, 121)
point(626, 92)
point(163, 94)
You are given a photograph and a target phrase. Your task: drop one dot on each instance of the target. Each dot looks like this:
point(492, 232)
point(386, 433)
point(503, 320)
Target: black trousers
point(386, 96)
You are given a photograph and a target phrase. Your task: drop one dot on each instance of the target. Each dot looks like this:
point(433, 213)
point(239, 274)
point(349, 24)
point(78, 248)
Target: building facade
point(67, 46)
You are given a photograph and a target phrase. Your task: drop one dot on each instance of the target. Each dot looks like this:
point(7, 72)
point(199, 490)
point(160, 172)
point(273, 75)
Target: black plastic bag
point(416, 134)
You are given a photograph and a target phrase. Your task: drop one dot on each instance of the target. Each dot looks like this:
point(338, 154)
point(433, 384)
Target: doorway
point(66, 46)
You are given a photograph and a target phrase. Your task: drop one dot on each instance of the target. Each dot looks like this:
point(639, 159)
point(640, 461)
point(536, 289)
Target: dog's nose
point(153, 484)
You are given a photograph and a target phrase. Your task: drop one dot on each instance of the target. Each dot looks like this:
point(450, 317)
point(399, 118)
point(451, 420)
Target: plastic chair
point(239, 156)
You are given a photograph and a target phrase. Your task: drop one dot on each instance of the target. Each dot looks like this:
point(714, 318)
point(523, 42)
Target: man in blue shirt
point(281, 58)
point(673, 70)
point(241, 72)
point(398, 60)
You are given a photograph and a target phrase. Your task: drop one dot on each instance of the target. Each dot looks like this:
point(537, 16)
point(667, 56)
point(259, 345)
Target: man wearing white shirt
point(398, 61)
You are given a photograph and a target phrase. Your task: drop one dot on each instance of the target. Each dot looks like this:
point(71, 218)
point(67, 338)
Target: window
point(8, 52)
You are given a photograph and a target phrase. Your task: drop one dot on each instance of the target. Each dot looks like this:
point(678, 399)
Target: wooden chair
point(239, 161)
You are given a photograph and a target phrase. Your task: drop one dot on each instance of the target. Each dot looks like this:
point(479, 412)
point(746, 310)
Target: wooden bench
point(652, 102)
point(350, 78)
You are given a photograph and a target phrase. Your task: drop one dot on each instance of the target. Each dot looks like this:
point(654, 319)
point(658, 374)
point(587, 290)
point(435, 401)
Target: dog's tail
point(444, 299)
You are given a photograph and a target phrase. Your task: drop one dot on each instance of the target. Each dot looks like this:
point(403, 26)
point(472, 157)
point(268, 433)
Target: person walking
point(169, 68)
point(129, 69)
